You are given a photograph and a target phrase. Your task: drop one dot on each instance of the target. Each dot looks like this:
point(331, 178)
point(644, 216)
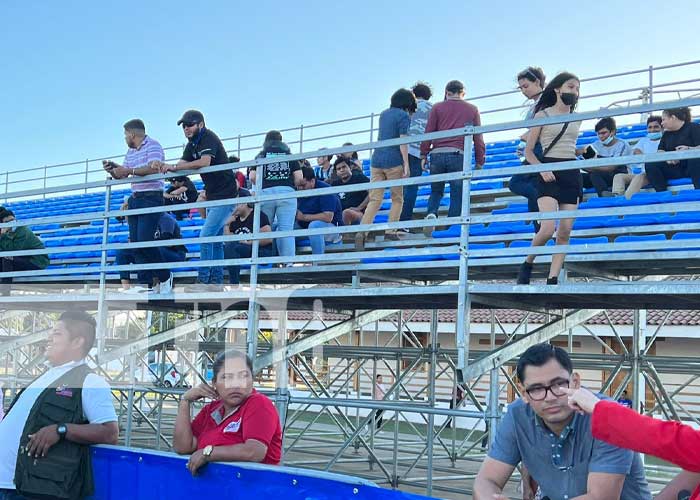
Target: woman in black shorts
point(560, 190)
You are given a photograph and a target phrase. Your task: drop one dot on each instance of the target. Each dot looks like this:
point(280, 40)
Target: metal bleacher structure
point(638, 254)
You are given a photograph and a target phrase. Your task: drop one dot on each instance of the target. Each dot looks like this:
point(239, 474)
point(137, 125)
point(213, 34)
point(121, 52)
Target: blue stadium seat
point(391, 255)
point(650, 198)
point(637, 220)
point(454, 231)
point(681, 218)
point(687, 195)
point(513, 208)
point(592, 222)
point(639, 238)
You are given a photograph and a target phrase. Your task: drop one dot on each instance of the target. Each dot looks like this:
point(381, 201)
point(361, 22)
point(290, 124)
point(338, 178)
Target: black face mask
point(569, 98)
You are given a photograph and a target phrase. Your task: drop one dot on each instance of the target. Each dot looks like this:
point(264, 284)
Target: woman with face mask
point(530, 83)
point(680, 134)
point(561, 190)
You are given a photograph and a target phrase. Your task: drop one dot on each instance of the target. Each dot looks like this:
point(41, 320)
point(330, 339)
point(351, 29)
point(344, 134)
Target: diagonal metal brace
point(349, 325)
point(503, 354)
point(166, 336)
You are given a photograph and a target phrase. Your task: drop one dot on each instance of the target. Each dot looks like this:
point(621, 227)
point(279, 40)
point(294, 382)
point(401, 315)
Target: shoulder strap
point(556, 139)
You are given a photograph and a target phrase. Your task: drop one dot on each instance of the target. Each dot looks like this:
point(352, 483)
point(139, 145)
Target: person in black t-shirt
point(280, 177)
point(181, 191)
point(204, 149)
point(680, 134)
point(355, 202)
point(241, 222)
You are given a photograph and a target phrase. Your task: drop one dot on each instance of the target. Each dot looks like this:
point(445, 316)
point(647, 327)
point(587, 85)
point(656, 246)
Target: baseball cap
point(191, 116)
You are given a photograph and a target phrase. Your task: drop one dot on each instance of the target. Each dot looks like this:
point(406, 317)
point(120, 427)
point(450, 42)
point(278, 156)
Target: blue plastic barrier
point(143, 474)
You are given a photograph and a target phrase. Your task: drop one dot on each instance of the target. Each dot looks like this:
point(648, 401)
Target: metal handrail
point(87, 171)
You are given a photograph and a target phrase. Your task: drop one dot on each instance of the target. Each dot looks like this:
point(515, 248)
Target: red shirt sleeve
point(431, 126)
point(671, 441)
point(200, 421)
point(261, 421)
point(479, 146)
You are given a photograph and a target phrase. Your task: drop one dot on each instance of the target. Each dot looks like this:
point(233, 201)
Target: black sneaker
point(524, 273)
point(553, 281)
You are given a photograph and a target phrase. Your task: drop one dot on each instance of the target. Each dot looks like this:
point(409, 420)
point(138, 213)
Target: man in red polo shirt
point(240, 425)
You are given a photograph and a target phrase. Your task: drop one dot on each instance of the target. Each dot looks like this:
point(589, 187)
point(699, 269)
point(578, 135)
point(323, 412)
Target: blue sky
point(75, 71)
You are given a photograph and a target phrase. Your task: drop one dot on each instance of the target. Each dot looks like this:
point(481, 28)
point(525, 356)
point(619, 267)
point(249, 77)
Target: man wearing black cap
point(17, 238)
point(204, 149)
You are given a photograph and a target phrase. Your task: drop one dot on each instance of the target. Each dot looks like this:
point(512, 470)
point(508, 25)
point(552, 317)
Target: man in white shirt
point(636, 176)
point(60, 444)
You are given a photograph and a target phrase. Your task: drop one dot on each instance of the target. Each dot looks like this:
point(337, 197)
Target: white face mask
point(608, 141)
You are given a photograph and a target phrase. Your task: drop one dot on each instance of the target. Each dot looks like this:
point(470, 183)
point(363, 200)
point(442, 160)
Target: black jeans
point(178, 214)
point(143, 228)
point(16, 263)
point(601, 181)
point(660, 172)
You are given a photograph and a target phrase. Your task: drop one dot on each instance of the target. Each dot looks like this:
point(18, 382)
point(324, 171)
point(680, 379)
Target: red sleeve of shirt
point(479, 146)
point(200, 421)
point(261, 420)
point(431, 126)
point(671, 441)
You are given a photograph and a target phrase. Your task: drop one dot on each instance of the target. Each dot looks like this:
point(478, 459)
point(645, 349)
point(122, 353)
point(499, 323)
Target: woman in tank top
point(561, 190)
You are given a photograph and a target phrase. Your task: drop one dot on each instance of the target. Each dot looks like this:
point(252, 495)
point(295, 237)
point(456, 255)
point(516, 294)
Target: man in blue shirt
point(314, 212)
point(555, 443)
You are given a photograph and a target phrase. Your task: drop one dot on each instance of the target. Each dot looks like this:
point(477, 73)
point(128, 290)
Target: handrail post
point(301, 138)
point(239, 146)
point(45, 174)
point(463, 296)
point(651, 84)
point(87, 168)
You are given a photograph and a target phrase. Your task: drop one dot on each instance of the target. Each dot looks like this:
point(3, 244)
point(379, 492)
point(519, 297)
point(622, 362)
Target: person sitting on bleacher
point(447, 155)
point(324, 169)
point(353, 203)
point(607, 146)
point(167, 229)
point(241, 222)
point(14, 239)
point(354, 159)
point(181, 191)
point(316, 212)
point(636, 177)
point(680, 134)
point(561, 190)
point(531, 81)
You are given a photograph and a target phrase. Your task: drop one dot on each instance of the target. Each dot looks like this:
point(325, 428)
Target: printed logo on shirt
point(233, 426)
point(64, 391)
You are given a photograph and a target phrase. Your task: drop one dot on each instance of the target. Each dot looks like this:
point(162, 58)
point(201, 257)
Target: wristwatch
point(207, 451)
point(61, 430)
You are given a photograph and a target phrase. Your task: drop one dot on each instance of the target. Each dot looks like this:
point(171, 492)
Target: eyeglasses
point(189, 124)
point(557, 388)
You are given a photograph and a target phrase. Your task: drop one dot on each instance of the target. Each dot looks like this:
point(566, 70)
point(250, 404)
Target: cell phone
point(589, 153)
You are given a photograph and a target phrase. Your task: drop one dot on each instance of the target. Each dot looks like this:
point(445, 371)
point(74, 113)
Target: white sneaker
point(428, 230)
point(166, 287)
point(135, 289)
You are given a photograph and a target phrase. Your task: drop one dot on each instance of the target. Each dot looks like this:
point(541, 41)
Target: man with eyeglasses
point(555, 443)
point(205, 149)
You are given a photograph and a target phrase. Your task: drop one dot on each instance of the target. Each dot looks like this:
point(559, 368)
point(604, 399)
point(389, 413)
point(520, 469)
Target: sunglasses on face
point(189, 124)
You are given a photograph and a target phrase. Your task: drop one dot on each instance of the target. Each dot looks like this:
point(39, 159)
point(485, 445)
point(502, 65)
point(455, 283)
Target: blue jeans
point(126, 257)
point(143, 228)
point(445, 163)
point(410, 192)
point(238, 250)
point(11, 495)
point(526, 185)
point(282, 214)
point(214, 226)
point(318, 241)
